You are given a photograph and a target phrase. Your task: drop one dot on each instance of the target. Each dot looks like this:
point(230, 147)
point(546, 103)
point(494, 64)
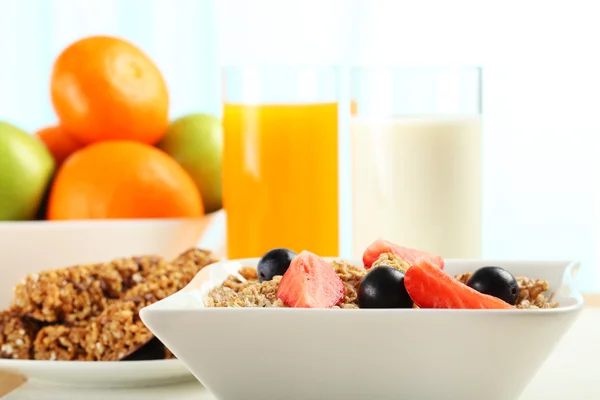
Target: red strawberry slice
point(310, 282)
point(411, 256)
point(430, 287)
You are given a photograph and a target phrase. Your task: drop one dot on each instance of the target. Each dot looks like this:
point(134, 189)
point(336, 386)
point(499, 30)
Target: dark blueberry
point(274, 263)
point(383, 287)
point(497, 282)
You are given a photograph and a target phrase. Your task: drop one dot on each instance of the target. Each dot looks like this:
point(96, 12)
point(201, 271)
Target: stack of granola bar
point(91, 312)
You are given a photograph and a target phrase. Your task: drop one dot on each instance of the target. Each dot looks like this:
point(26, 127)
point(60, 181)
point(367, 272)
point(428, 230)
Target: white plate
point(101, 373)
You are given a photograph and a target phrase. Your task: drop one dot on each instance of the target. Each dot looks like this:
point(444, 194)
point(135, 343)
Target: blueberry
point(274, 262)
point(497, 282)
point(383, 287)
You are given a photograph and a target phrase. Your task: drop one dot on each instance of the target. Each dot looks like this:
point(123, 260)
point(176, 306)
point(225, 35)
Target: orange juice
point(353, 107)
point(280, 178)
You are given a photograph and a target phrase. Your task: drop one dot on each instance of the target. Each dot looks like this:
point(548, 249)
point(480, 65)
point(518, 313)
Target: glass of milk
point(416, 159)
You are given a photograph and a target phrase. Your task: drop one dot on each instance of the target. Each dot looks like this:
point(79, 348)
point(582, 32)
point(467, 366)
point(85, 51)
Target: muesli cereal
point(252, 293)
point(532, 293)
point(305, 282)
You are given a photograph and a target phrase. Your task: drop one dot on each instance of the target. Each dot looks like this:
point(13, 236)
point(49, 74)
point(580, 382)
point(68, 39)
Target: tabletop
point(569, 373)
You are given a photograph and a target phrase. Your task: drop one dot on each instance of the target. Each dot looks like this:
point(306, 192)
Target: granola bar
point(17, 334)
point(170, 277)
point(97, 339)
point(146, 266)
point(59, 342)
point(77, 293)
point(117, 332)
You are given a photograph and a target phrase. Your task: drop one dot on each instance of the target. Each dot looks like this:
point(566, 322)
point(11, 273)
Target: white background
point(541, 83)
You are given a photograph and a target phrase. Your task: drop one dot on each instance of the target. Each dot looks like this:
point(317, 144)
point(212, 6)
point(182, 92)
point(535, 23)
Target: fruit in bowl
point(130, 180)
point(106, 88)
point(97, 178)
point(26, 167)
point(196, 142)
point(452, 325)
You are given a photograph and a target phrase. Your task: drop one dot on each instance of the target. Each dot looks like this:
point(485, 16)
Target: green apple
point(26, 168)
point(196, 142)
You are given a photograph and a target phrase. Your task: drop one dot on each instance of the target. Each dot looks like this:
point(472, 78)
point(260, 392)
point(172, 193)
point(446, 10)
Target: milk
point(417, 182)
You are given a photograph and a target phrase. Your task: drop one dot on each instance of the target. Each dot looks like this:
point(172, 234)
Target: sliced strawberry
point(430, 287)
point(411, 256)
point(310, 282)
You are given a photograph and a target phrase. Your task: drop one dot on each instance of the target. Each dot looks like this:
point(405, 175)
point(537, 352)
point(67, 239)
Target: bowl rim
point(86, 223)
point(570, 269)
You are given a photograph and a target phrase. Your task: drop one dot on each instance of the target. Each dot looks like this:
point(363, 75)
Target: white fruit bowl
point(282, 353)
point(33, 246)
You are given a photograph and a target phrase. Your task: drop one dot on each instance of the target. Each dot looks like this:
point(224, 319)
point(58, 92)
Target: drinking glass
point(280, 160)
point(416, 143)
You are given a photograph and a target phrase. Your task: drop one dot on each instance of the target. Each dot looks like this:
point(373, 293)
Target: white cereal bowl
point(308, 354)
point(32, 246)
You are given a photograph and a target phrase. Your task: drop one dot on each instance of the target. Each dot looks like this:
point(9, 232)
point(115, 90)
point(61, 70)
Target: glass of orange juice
point(280, 160)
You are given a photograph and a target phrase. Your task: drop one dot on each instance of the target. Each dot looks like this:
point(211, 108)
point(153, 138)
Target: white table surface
point(571, 372)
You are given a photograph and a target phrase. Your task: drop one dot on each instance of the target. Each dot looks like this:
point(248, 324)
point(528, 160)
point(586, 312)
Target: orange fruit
point(105, 88)
point(122, 179)
point(60, 143)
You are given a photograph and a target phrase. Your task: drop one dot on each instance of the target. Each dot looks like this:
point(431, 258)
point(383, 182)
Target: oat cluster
point(391, 260)
point(252, 293)
point(91, 312)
